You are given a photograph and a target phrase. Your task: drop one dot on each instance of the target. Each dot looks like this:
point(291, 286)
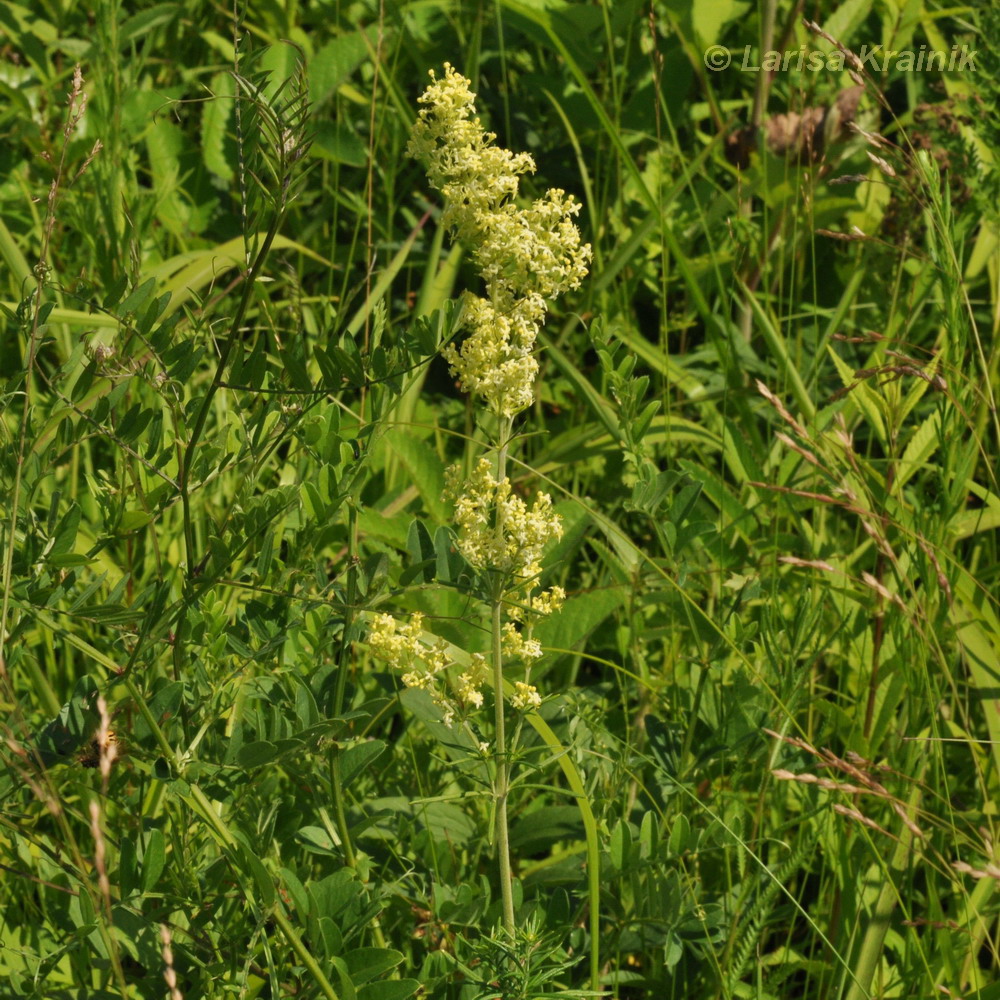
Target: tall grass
point(766, 759)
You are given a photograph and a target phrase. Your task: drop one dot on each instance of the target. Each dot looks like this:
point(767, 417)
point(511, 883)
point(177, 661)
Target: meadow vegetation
point(563, 564)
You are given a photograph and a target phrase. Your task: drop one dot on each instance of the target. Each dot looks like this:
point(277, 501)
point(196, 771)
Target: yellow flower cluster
point(471, 682)
point(401, 645)
point(542, 604)
point(525, 255)
point(496, 360)
point(423, 664)
point(517, 647)
point(525, 697)
point(497, 530)
point(474, 176)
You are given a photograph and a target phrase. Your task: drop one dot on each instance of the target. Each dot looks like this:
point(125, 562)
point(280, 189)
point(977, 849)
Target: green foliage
point(769, 751)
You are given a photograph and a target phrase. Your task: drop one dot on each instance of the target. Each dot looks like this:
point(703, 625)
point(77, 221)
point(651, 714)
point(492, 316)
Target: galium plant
point(783, 526)
point(526, 256)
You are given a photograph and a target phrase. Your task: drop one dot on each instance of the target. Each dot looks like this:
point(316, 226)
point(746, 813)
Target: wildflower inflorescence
point(526, 255)
point(497, 530)
point(423, 663)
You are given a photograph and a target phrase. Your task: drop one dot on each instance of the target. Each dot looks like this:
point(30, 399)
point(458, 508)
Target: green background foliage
point(768, 420)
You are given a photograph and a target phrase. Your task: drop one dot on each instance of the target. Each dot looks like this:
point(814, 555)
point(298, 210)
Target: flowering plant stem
point(501, 783)
point(336, 783)
point(526, 257)
point(501, 786)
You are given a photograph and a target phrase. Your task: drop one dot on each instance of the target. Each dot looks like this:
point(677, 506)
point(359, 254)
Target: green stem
point(183, 473)
point(873, 943)
point(339, 814)
point(501, 785)
point(185, 453)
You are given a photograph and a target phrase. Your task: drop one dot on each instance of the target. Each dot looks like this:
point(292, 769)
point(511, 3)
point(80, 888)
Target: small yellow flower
point(470, 682)
point(395, 643)
point(517, 647)
point(526, 697)
point(548, 601)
